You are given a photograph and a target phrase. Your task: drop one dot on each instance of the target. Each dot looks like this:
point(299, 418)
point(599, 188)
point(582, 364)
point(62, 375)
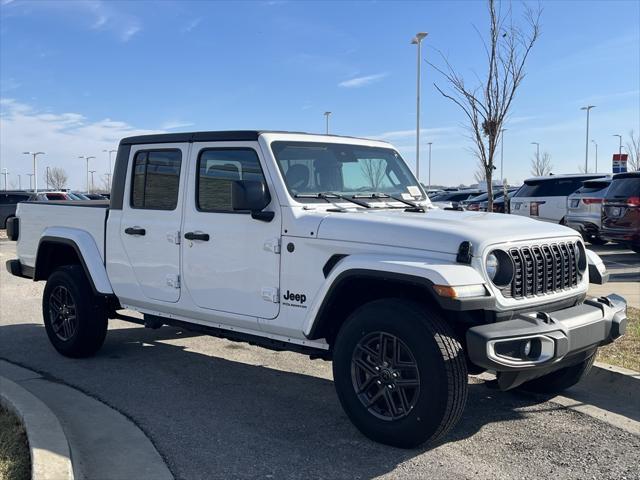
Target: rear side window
point(559, 187)
point(592, 187)
point(624, 187)
point(156, 179)
point(217, 170)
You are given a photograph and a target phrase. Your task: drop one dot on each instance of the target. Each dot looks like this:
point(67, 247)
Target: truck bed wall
point(36, 217)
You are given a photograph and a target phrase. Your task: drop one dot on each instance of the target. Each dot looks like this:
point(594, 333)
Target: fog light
point(526, 349)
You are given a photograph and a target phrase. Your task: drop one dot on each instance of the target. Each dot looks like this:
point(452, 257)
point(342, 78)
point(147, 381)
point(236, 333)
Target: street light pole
point(110, 170)
point(417, 40)
point(5, 173)
point(586, 143)
point(92, 184)
point(502, 130)
point(19, 182)
point(429, 188)
point(596, 144)
point(620, 147)
point(47, 178)
point(326, 117)
point(87, 159)
point(35, 169)
point(31, 175)
point(537, 149)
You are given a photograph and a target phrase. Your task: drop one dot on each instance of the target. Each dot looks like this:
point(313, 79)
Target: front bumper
point(543, 342)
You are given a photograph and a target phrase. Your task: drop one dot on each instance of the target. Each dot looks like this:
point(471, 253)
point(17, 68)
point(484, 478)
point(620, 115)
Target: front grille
point(542, 269)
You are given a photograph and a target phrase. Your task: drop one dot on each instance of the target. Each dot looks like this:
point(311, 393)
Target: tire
point(429, 396)
point(556, 382)
point(597, 241)
point(636, 248)
point(74, 318)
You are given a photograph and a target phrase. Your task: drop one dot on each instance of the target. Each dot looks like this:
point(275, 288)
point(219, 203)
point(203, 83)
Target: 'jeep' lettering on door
point(295, 297)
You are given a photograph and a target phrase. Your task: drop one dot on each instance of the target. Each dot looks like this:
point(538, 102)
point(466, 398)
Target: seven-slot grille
point(542, 269)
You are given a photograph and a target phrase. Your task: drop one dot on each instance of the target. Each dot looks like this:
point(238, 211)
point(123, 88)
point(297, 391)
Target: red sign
point(619, 162)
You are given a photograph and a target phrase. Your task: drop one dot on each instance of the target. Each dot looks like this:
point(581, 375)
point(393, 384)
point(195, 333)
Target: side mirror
point(252, 196)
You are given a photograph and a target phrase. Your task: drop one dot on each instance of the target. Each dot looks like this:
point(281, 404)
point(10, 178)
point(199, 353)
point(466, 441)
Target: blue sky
point(75, 76)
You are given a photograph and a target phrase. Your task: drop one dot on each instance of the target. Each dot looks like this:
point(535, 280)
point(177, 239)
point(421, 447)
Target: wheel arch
point(56, 250)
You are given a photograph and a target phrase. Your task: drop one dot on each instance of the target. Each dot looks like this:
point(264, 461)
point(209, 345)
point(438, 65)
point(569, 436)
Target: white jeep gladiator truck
point(327, 246)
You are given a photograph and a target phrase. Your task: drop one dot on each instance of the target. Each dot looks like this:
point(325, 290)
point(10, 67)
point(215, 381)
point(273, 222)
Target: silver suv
point(584, 209)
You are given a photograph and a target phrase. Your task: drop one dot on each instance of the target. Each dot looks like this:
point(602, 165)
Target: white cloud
point(192, 24)
point(397, 135)
point(173, 124)
point(63, 136)
point(362, 81)
point(96, 15)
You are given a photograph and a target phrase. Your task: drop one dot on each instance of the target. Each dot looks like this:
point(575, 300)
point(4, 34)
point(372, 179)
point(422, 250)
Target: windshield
point(349, 170)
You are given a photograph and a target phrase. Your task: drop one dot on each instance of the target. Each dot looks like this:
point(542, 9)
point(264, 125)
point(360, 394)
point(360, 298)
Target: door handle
point(135, 231)
point(197, 236)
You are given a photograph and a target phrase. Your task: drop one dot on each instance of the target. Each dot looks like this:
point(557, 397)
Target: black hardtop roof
point(213, 136)
point(627, 175)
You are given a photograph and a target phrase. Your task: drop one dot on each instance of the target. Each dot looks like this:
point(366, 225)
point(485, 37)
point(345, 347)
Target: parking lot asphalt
point(218, 409)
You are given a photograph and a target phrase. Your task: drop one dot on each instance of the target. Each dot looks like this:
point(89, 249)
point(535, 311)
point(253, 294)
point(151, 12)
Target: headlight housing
point(491, 264)
point(499, 267)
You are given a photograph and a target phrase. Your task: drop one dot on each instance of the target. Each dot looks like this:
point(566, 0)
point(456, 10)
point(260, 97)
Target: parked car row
point(9, 199)
point(601, 207)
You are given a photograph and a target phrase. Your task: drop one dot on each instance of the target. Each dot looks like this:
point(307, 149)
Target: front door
point(231, 261)
point(151, 216)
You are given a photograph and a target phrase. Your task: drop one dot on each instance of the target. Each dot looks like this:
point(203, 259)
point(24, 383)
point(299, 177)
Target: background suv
point(545, 198)
point(8, 202)
point(621, 210)
point(584, 209)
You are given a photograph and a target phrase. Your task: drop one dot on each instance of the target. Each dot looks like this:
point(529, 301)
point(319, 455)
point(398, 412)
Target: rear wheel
point(556, 382)
point(635, 248)
point(400, 373)
point(596, 240)
point(74, 318)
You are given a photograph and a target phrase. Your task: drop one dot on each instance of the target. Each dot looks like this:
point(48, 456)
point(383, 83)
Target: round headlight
point(491, 264)
point(499, 266)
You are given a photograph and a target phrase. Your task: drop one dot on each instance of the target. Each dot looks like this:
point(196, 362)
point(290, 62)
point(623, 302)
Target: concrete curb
point(48, 445)
point(610, 394)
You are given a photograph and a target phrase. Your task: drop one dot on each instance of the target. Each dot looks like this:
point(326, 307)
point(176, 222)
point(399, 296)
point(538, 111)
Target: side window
point(156, 179)
point(217, 170)
point(4, 198)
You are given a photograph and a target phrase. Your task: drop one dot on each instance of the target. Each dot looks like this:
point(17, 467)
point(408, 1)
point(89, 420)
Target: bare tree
point(480, 175)
point(633, 148)
point(374, 169)
point(541, 165)
point(487, 104)
point(57, 178)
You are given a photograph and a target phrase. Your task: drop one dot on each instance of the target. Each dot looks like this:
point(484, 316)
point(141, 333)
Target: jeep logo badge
point(295, 297)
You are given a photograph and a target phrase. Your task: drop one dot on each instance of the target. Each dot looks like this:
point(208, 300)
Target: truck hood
point(436, 230)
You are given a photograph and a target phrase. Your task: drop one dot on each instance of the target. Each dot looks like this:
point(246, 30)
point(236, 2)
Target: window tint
point(4, 199)
point(156, 179)
point(217, 170)
point(593, 187)
point(624, 187)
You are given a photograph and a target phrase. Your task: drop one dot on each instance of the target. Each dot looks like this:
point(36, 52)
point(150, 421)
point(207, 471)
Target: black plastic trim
point(332, 262)
point(120, 176)
point(235, 336)
point(14, 267)
point(13, 228)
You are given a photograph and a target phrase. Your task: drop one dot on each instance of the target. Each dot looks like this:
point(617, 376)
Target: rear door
point(232, 262)
point(151, 216)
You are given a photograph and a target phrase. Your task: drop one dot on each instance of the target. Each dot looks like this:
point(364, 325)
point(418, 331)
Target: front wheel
point(400, 373)
point(74, 318)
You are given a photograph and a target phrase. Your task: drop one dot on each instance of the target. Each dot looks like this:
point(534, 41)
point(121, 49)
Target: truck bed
point(36, 217)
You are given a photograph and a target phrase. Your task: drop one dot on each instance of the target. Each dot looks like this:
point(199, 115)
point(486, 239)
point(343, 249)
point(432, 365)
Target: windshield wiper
point(414, 206)
point(327, 196)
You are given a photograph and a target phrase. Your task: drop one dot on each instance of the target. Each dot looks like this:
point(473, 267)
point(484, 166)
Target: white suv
point(545, 198)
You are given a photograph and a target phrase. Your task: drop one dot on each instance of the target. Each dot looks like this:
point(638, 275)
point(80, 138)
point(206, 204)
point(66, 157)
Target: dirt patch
point(15, 461)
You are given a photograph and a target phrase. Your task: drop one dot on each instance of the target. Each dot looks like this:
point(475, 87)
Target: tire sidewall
point(406, 321)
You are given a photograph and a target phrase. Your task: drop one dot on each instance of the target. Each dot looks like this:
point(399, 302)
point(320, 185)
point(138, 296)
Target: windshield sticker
point(406, 196)
point(414, 191)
